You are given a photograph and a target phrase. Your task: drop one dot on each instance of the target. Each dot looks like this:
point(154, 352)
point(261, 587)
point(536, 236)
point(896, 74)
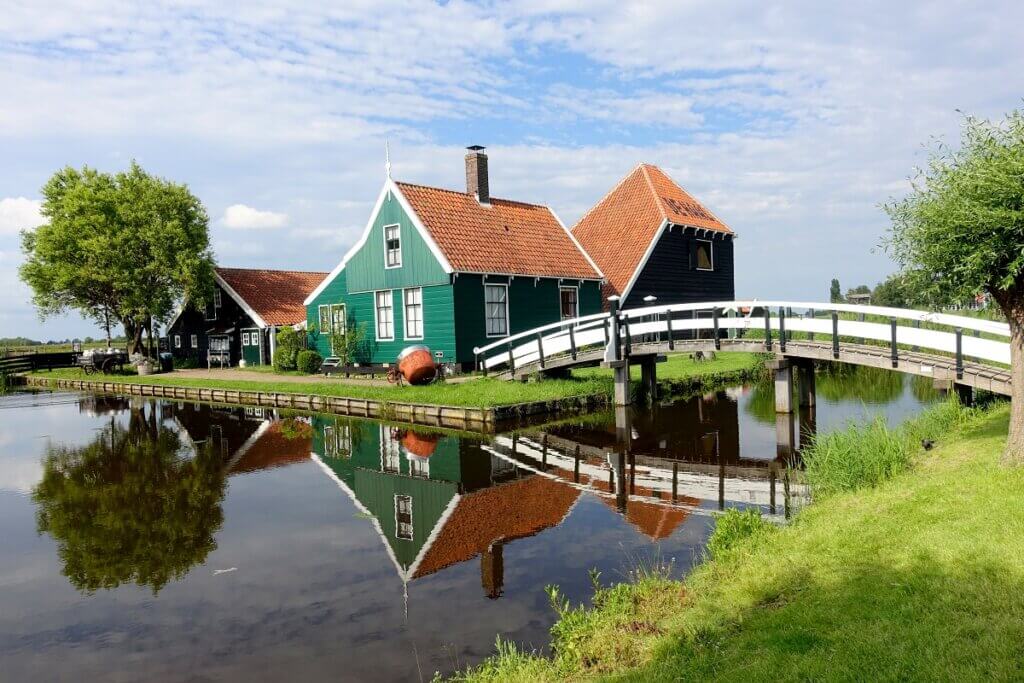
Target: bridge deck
point(976, 375)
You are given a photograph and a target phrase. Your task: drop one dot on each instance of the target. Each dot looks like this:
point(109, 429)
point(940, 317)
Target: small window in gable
point(704, 255)
point(392, 246)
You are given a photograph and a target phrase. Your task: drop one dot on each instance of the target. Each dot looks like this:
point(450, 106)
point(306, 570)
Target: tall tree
point(835, 292)
point(963, 222)
point(127, 246)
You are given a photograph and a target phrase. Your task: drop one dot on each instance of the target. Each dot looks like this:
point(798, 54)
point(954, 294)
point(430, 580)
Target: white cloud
point(242, 217)
point(18, 213)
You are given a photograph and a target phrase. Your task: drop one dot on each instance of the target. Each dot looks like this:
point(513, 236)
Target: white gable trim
point(256, 318)
point(643, 261)
point(578, 245)
point(390, 188)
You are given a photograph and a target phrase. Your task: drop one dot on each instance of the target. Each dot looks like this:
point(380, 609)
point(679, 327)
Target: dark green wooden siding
point(532, 303)
point(366, 271)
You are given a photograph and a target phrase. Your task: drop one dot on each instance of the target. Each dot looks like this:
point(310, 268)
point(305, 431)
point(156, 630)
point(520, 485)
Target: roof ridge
point(608, 194)
point(654, 193)
point(271, 270)
point(466, 194)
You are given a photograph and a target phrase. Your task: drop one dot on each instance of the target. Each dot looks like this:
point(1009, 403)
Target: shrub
point(284, 359)
point(308, 362)
point(186, 363)
point(734, 527)
point(289, 343)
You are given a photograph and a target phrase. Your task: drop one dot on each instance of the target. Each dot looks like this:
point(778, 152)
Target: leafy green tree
point(835, 293)
point(117, 247)
point(286, 352)
point(131, 506)
point(963, 222)
point(892, 292)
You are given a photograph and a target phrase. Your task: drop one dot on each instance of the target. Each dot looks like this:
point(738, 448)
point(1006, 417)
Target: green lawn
point(478, 392)
point(918, 578)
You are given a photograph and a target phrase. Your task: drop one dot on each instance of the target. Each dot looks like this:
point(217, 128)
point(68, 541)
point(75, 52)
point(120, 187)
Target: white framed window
point(384, 315)
point(419, 467)
point(704, 255)
point(569, 302)
point(210, 312)
point(392, 246)
point(496, 310)
point(216, 298)
point(339, 323)
point(193, 340)
point(330, 443)
point(245, 339)
point(390, 450)
point(324, 312)
point(403, 517)
point(177, 341)
point(413, 312)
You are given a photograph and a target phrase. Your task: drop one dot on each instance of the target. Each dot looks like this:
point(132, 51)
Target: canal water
point(159, 540)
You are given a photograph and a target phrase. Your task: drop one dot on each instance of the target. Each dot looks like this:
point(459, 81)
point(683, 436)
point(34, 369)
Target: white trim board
point(579, 247)
point(390, 188)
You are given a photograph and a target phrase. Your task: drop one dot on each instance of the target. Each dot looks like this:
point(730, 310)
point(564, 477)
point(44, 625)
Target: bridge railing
point(776, 321)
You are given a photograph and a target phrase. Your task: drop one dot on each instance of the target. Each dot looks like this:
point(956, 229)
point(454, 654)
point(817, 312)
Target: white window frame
point(344, 318)
point(405, 315)
point(216, 298)
point(419, 467)
point(711, 256)
point(177, 341)
point(324, 329)
point(390, 451)
point(376, 313)
point(193, 340)
point(508, 321)
point(398, 232)
point(562, 288)
point(245, 339)
point(412, 528)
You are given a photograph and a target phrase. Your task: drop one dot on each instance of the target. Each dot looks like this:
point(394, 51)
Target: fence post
point(810, 335)
point(629, 337)
point(613, 320)
point(959, 353)
point(782, 329)
point(572, 342)
point(835, 334)
point(917, 325)
point(714, 322)
point(767, 329)
point(892, 335)
point(481, 363)
point(511, 360)
point(540, 349)
point(671, 334)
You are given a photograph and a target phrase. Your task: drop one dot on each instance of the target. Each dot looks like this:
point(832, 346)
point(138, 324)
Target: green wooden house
point(452, 270)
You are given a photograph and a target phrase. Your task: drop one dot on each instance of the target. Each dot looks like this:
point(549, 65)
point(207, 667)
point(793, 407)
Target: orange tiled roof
point(505, 237)
point(276, 295)
point(504, 512)
point(274, 449)
point(617, 230)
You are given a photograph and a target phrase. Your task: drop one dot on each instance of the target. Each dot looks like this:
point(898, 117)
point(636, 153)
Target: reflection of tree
point(131, 506)
point(837, 382)
point(924, 389)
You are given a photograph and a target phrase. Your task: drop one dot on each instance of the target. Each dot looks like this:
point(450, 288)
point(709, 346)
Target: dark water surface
point(151, 540)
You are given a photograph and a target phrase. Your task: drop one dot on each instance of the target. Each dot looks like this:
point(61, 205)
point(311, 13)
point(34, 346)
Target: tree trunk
point(106, 324)
point(1012, 304)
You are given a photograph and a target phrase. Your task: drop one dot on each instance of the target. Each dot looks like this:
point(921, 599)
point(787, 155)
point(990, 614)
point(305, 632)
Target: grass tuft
point(735, 528)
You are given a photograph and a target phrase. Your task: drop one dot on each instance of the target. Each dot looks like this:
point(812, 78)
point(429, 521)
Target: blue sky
point(792, 122)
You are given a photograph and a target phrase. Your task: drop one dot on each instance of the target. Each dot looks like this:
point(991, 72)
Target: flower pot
point(144, 368)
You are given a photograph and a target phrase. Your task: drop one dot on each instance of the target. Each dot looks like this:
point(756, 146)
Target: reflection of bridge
point(966, 352)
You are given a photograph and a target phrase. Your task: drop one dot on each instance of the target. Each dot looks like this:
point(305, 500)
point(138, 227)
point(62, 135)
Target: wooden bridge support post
point(805, 382)
point(965, 394)
point(620, 372)
point(783, 368)
point(785, 436)
point(649, 376)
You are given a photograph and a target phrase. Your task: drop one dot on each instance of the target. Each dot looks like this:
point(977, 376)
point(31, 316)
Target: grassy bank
point(915, 574)
point(478, 392)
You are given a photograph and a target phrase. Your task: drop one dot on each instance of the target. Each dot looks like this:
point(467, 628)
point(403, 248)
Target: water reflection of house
point(248, 439)
point(437, 500)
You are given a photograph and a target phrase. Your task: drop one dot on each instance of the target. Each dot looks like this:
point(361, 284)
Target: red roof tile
point(617, 230)
point(276, 295)
point(276, 449)
point(499, 513)
point(505, 237)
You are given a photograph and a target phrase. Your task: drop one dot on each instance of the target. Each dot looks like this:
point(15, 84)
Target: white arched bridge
point(968, 353)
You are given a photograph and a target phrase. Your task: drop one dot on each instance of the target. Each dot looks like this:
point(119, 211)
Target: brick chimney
point(476, 174)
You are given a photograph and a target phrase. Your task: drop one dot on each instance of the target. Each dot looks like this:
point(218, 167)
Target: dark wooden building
point(651, 238)
point(249, 306)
